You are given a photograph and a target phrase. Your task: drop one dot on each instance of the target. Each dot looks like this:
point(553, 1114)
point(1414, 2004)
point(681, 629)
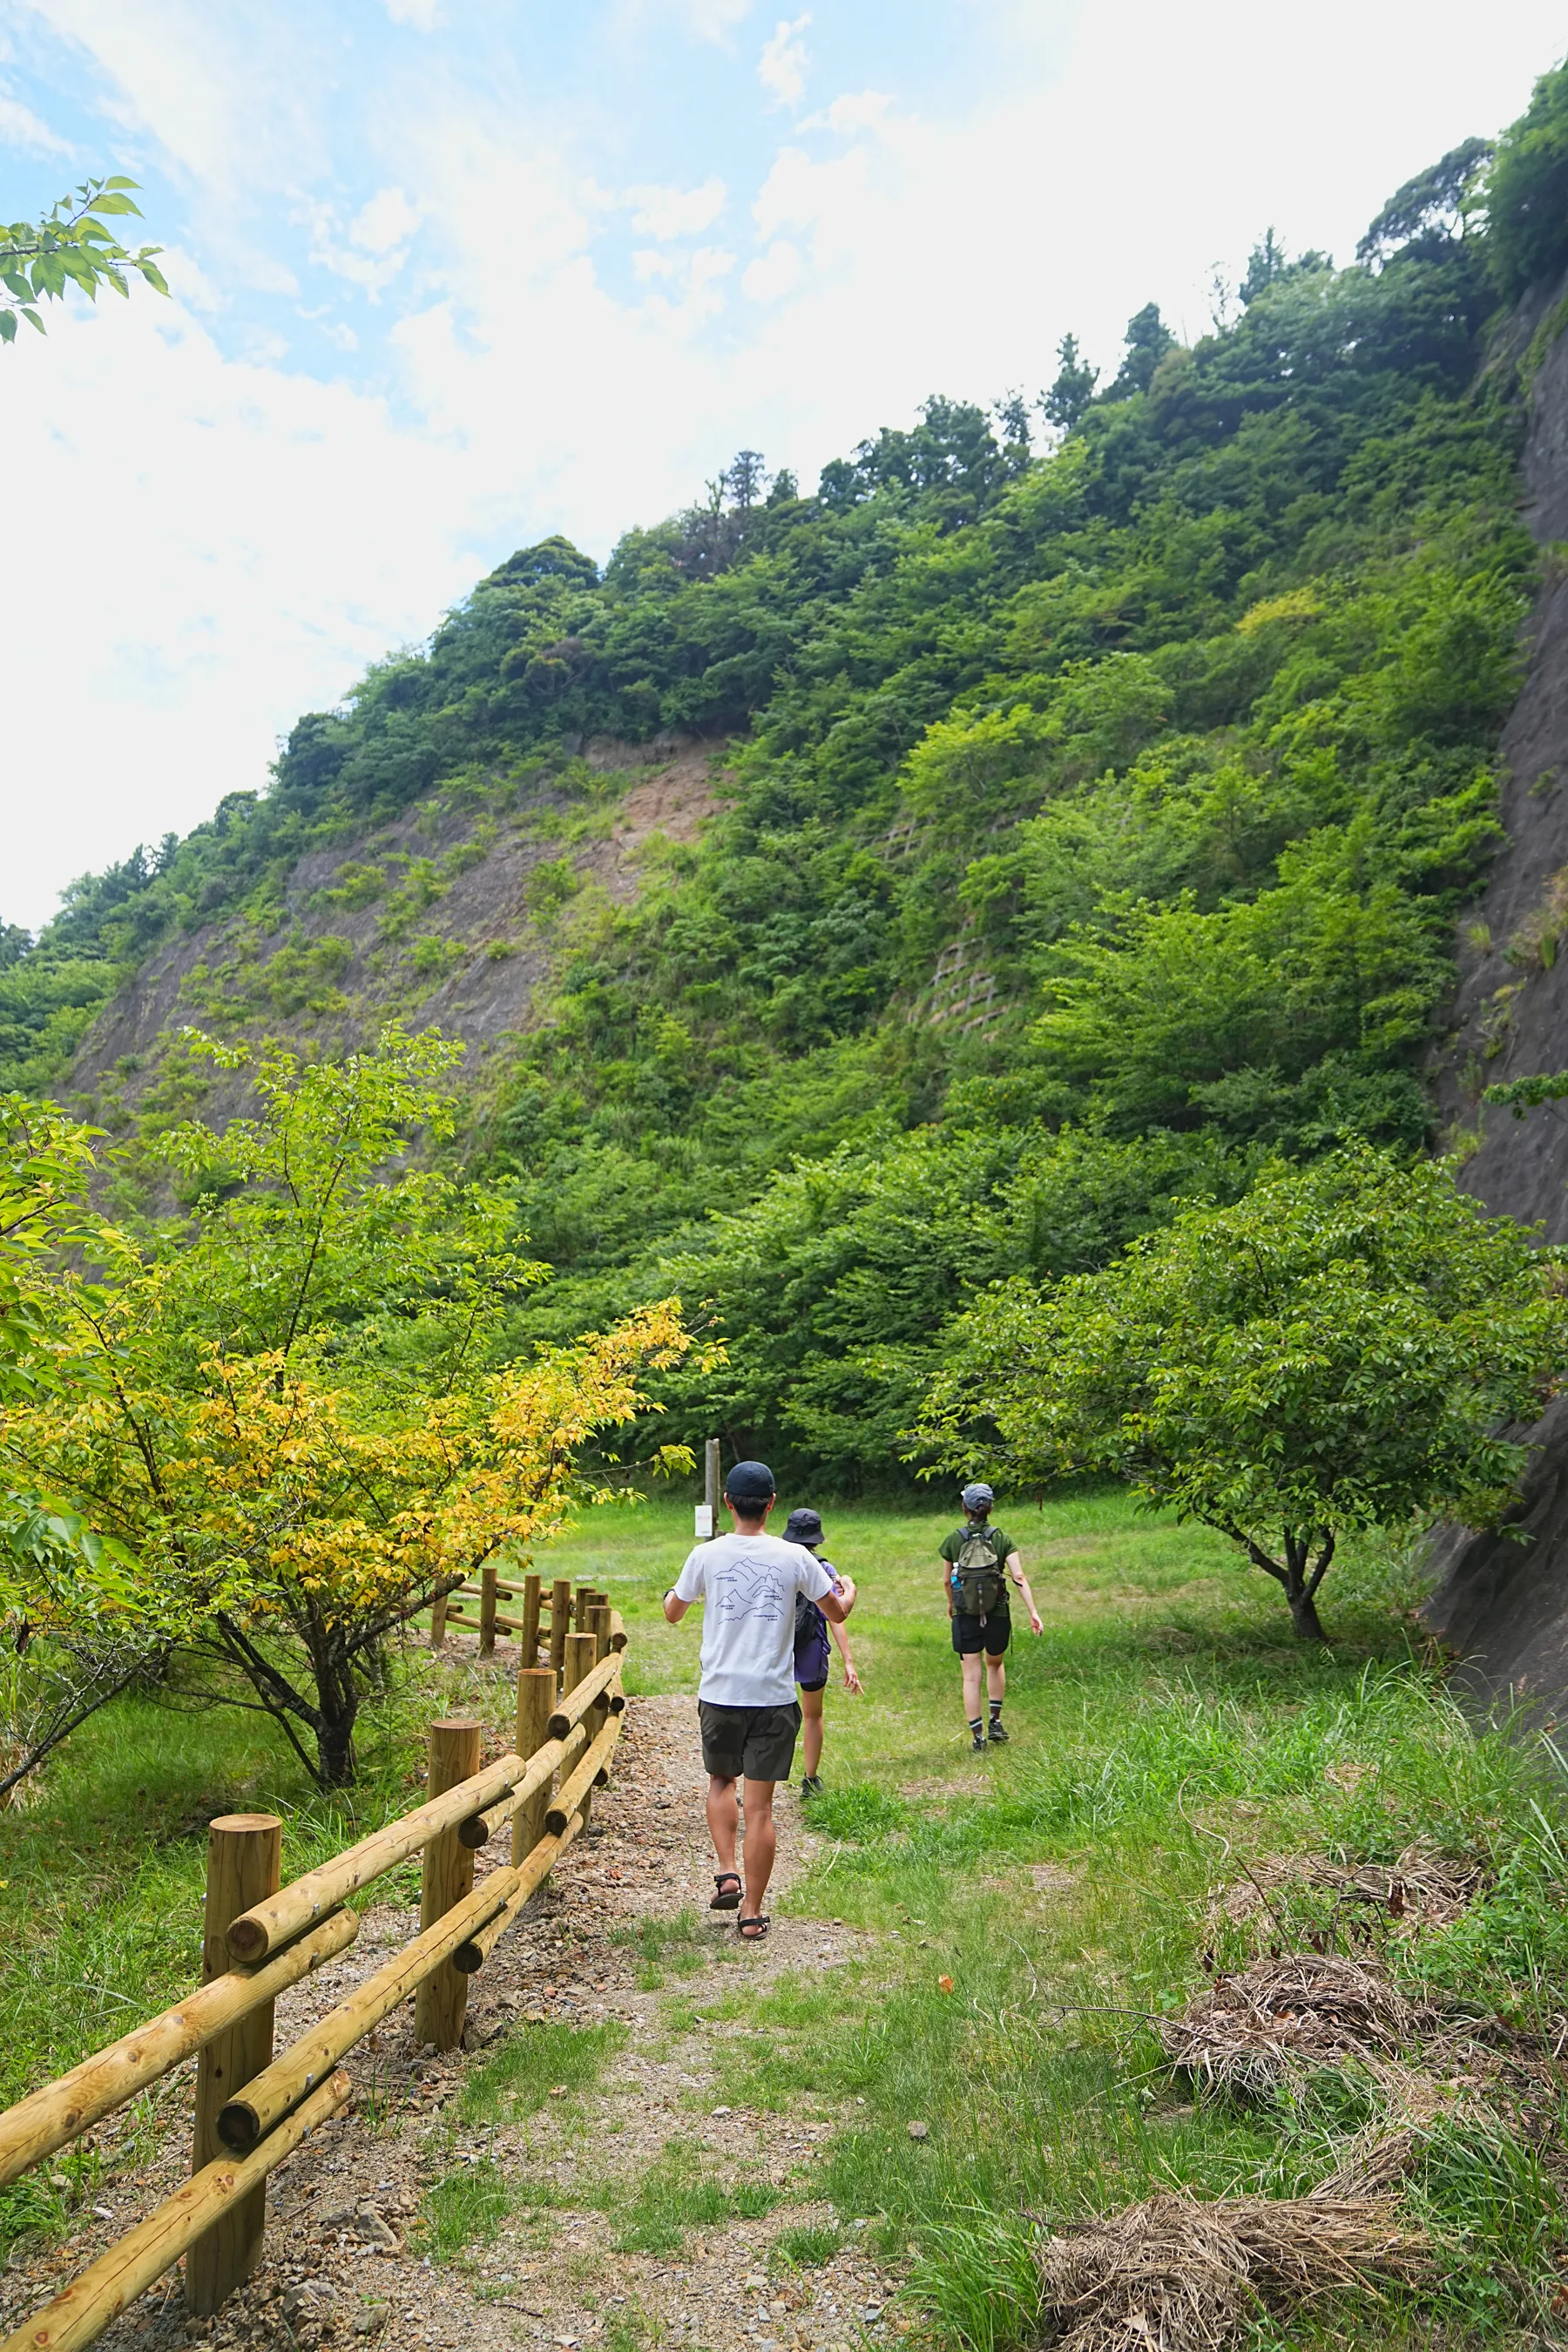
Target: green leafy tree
point(71, 247)
point(1527, 191)
point(1073, 390)
point(1148, 341)
point(1337, 1351)
point(1434, 207)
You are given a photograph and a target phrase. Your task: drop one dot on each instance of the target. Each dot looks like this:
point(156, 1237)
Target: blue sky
point(452, 274)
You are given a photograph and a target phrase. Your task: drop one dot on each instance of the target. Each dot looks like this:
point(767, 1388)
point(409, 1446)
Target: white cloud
point(858, 110)
point(388, 220)
point(781, 68)
point(676, 212)
point(20, 128)
point(424, 15)
point(775, 273)
point(236, 540)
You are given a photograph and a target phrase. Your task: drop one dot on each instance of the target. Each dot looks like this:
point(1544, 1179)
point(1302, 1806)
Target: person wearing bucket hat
point(746, 1705)
point(813, 1656)
point(978, 1561)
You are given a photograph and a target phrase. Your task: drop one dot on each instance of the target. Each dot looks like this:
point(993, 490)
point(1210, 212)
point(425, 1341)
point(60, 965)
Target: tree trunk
point(1304, 1615)
point(337, 1705)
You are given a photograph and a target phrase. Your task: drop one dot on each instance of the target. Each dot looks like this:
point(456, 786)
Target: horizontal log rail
point(85, 2308)
point(36, 2125)
point(285, 1915)
point(569, 1716)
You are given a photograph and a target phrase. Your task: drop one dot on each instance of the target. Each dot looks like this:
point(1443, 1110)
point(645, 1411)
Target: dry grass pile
point(1176, 2274)
point(1284, 2018)
point(1422, 1889)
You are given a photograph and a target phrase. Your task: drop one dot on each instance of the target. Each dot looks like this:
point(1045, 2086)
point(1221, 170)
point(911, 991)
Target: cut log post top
point(574, 1705)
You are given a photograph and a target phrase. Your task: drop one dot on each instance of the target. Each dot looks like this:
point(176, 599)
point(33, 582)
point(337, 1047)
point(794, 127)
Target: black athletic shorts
point(991, 1634)
point(754, 1743)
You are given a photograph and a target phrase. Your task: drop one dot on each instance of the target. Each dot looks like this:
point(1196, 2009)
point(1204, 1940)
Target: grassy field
point(1039, 1908)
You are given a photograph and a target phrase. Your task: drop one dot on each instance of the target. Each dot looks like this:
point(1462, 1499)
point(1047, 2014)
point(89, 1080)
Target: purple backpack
point(813, 1652)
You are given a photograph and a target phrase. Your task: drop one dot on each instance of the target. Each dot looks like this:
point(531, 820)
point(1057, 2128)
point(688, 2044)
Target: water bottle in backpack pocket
point(979, 1586)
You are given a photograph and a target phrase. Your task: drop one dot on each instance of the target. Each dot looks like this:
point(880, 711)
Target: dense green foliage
point(1095, 821)
point(1528, 190)
point(1335, 1352)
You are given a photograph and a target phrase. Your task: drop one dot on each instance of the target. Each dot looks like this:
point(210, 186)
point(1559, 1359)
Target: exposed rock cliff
point(1502, 1599)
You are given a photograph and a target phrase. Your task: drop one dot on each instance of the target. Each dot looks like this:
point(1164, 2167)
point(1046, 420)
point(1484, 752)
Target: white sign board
point(704, 1522)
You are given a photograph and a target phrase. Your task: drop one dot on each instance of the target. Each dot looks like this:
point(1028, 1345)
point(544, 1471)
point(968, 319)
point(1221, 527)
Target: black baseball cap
point(750, 1481)
point(803, 1527)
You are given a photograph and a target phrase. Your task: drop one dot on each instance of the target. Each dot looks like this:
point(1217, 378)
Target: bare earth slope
point(447, 915)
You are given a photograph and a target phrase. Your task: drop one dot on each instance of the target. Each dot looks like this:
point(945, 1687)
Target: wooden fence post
point(581, 1660)
point(438, 1622)
point(488, 1581)
point(243, 1864)
point(441, 2002)
point(560, 1625)
point(712, 1483)
point(530, 1637)
point(535, 1698)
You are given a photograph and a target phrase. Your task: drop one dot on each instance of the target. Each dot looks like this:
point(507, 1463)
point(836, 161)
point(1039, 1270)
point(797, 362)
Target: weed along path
point(1228, 1995)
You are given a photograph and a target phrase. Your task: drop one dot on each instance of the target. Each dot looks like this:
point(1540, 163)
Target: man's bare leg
point(761, 1845)
point(970, 1664)
point(995, 1681)
point(723, 1815)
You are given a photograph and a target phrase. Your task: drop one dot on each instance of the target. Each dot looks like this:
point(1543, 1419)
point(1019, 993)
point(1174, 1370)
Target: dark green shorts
point(753, 1743)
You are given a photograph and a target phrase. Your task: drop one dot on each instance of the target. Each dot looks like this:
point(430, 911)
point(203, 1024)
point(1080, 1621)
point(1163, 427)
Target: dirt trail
point(346, 2258)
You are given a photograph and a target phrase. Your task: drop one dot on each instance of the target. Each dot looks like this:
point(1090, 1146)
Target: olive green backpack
point(978, 1583)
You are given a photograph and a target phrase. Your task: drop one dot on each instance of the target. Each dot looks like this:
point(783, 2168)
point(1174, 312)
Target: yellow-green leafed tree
point(300, 1420)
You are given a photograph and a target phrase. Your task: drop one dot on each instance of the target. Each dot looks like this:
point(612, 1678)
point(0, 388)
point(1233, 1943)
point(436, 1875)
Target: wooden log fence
point(253, 2109)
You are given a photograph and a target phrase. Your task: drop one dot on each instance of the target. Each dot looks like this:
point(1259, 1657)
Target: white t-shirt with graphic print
point(748, 1584)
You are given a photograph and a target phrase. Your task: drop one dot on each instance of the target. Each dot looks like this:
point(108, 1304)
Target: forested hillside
point(1092, 821)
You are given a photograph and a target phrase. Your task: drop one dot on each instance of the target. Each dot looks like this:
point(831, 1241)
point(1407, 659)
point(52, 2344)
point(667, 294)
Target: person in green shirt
point(978, 1561)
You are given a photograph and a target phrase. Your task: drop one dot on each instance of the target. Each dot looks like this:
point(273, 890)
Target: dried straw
point(1178, 2275)
point(1288, 2017)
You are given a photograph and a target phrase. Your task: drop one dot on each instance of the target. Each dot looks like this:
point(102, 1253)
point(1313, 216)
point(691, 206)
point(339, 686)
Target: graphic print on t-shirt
point(748, 1585)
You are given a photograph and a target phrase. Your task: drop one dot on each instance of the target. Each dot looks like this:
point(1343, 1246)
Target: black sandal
point(723, 1902)
point(761, 1922)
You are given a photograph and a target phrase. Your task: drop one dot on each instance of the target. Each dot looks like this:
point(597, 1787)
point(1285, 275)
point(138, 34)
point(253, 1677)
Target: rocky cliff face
point(1502, 1599)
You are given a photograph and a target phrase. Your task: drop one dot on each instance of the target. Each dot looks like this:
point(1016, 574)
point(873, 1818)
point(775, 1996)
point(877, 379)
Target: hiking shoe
point(979, 1747)
point(998, 1735)
point(811, 1786)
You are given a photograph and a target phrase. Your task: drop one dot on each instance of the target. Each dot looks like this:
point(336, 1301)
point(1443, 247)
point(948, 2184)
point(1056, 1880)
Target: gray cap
point(977, 1498)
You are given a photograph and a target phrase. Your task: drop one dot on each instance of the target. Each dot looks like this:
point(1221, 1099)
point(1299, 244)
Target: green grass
point(467, 2209)
point(1166, 1729)
point(676, 2193)
point(533, 2062)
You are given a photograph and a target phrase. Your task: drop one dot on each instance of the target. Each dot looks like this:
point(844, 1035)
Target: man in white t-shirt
point(746, 1703)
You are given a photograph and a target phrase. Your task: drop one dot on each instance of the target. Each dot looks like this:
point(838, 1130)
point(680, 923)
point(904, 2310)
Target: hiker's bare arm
point(1016, 1571)
point(836, 1606)
point(675, 1608)
point(851, 1679)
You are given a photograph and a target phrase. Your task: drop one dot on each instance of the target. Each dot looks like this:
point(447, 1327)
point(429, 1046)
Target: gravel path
point(346, 2259)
